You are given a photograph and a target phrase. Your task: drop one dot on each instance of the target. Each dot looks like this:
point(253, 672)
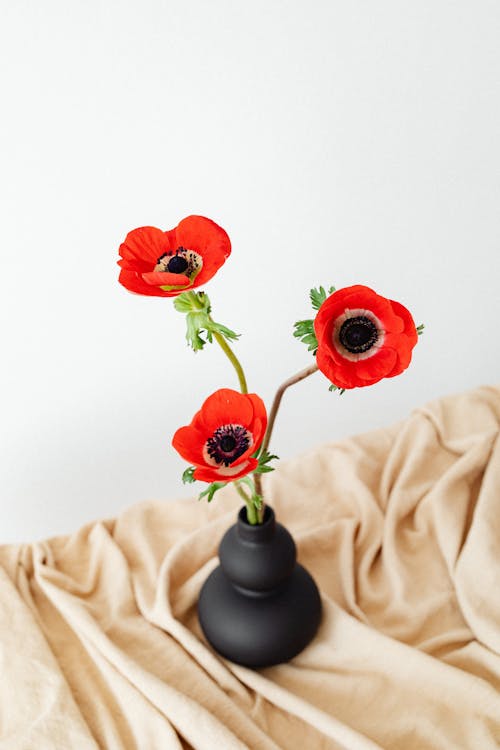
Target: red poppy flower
point(222, 436)
point(363, 337)
point(165, 264)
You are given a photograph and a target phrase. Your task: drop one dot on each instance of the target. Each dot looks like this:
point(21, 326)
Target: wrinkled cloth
point(100, 645)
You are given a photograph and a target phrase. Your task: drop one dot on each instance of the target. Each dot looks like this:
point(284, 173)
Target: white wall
point(336, 143)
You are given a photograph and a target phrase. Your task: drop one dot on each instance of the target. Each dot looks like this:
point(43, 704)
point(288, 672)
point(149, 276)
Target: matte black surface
point(259, 607)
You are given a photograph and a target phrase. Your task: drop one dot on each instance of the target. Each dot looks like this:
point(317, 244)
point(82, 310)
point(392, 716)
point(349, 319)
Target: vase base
point(259, 629)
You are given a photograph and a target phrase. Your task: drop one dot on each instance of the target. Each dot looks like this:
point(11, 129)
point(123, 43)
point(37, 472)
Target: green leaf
point(266, 457)
point(304, 330)
point(317, 295)
point(264, 460)
point(257, 501)
point(211, 490)
point(188, 475)
point(224, 331)
point(337, 388)
point(420, 329)
point(182, 303)
point(192, 302)
point(195, 322)
point(196, 307)
point(303, 327)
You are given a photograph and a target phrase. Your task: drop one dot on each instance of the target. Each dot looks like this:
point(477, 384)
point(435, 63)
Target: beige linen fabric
point(100, 645)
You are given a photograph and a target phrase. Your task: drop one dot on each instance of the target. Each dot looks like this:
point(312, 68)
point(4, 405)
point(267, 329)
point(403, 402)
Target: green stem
point(233, 359)
point(251, 509)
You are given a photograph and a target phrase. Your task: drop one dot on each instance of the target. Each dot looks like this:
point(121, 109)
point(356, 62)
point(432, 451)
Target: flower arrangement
point(356, 338)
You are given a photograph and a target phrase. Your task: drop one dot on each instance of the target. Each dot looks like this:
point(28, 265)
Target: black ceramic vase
point(259, 607)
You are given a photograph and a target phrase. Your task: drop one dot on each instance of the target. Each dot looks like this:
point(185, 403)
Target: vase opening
point(259, 531)
point(268, 514)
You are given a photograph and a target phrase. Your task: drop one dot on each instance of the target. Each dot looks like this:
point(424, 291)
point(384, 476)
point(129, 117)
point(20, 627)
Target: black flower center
point(228, 443)
point(177, 264)
point(182, 260)
point(358, 334)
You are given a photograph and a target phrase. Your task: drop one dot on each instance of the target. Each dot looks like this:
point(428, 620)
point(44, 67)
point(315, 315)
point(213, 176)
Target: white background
point(335, 142)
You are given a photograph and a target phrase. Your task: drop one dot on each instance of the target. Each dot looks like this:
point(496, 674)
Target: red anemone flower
point(363, 337)
point(165, 264)
point(222, 436)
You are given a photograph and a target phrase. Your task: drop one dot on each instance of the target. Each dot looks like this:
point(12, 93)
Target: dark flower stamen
point(177, 264)
point(183, 261)
point(358, 334)
point(228, 443)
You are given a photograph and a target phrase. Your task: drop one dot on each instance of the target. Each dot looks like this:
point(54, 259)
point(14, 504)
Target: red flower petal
point(391, 358)
point(404, 352)
point(379, 306)
point(164, 278)
point(134, 283)
point(258, 436)
point(219, 474)
point(259, 409)
point(133, 264)
point(207, 239)
point(258, 431)
point(146, 243)
point(226, 406)
point(336, 374)
point(356, 298)
point(203, 235)
point(189, 443)
point(144, 246)
point(410, 328)
point(376, 367)
point(358, 373)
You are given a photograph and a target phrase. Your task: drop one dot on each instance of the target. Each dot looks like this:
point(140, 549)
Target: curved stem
point(272, 418)
point(277, 400)
point(233, 359)
point(251, 509)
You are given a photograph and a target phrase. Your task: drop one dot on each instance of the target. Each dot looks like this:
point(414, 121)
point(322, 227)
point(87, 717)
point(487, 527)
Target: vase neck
point(262, 532)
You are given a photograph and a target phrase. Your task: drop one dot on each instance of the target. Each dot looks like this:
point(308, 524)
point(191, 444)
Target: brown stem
point(272, 418)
